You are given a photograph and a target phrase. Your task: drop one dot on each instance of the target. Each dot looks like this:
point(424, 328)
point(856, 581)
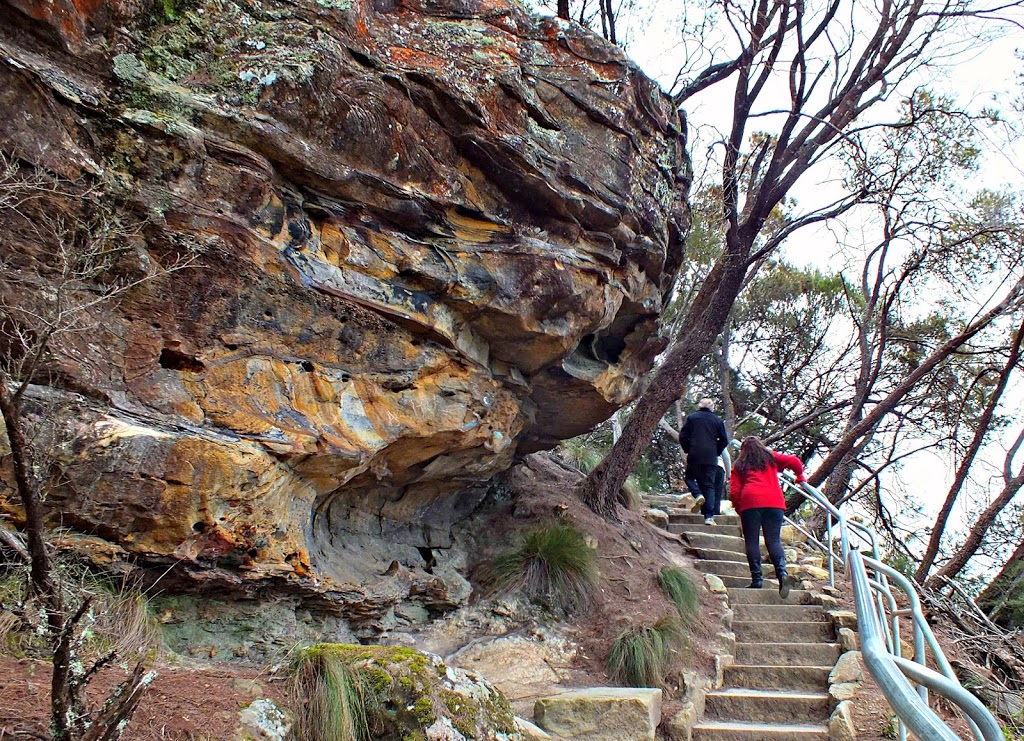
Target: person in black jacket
point(703, 438)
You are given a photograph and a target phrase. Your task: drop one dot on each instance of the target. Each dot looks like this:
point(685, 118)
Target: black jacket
point(703, 438)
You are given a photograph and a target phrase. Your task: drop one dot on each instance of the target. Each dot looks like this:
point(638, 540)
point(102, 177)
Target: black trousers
point(700, 479)
point(769, 521)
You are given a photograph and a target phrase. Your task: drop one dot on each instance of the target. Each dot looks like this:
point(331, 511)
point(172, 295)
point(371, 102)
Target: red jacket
point(761, 488)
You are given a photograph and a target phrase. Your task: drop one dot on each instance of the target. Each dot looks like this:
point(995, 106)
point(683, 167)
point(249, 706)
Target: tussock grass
point(582, 452)
point(125, 623)
point(552, 564)
point(325, 697)
point(641, 656)
point(119, 619)
point(679, 587)
point(631, 494)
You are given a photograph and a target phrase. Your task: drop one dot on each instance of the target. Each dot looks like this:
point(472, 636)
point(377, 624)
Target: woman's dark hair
point(754, 456)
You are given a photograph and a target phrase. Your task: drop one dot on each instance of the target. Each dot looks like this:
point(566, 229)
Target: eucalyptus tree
point(998, 378)
point(936, 247)
point(1011, 482)
point(807, 74)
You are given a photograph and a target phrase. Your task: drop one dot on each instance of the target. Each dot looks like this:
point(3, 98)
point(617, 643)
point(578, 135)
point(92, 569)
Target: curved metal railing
point(905, 682)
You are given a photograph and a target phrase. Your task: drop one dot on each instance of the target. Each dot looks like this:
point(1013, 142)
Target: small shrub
point(552, 564)
point(679, 587)
point(325, 697)
point(641, 656)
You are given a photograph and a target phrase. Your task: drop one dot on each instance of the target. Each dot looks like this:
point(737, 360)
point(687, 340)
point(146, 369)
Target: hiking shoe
point(698, 502)
point(755, 585)
point(709, 520)
point(784, 586)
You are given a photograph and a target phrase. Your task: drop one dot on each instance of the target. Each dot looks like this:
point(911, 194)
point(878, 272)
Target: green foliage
point(902, 563)
point(325, 697)
point(679, 587)
point(891, 729)
point(551, 564)
point(641, 656)
point(647, 476)
point(584, 452)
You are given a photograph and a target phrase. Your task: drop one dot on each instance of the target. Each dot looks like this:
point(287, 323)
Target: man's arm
point(723, 437)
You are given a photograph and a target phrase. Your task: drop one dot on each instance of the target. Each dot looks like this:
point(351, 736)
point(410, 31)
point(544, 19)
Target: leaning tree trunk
point(1008, 584)
point(707, 316)
point(939, 528)
point(978, 531)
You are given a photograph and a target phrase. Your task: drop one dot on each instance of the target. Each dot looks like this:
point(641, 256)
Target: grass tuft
point(325, 698)
point(631, 495)
point(679, 587)
point(552, 564)
point(582, 452)
point(641, 656)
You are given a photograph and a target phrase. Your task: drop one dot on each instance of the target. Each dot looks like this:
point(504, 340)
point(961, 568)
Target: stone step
point(685, 517)
point(795, 678)
point(779, 613)
point(787, 654)
point(765, 706)
point(742, 582)
point(731, 568)
point(767, 595)
point(667, 500)
point(735, 731)
point(765, 632)
point(714, 554)
point(699, 527)
point(709, 538)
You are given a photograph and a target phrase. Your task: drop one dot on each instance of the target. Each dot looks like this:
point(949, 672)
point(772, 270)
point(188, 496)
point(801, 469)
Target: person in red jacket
point(757, 497)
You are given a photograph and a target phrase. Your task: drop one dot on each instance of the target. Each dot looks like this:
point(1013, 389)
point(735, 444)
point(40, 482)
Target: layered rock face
point(430, 236)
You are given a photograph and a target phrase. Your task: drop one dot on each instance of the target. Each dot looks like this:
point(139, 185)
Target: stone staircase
point(778, 686)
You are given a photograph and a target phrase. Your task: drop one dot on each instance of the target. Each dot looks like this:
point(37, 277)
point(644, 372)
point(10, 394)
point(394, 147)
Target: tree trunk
point(725, 374)
point(563, 9)
point(1008, 583)
point(886, 405)
point(1011, 485)
point(707, 316)
point(28, 491)
point(939, 528)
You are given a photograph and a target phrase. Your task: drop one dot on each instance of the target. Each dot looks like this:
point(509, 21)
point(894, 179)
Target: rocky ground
point(503, 639)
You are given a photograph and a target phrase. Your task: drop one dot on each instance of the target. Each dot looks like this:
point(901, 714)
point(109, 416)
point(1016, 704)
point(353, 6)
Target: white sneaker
point(697, 503)
point(709, 520)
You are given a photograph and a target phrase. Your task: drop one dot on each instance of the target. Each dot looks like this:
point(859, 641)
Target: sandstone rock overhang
point(434, 235)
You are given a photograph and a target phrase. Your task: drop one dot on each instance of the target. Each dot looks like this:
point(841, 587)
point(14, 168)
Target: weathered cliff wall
point(432, 235)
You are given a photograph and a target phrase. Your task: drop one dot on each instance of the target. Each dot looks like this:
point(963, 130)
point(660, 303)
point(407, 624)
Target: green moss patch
point(404, 692)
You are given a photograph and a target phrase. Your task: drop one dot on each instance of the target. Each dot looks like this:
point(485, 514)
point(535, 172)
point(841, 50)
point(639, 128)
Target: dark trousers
point(769, 521)
point(700, 479)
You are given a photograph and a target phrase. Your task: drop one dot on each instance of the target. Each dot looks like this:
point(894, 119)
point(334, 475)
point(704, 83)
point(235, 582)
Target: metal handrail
point(904, 683)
